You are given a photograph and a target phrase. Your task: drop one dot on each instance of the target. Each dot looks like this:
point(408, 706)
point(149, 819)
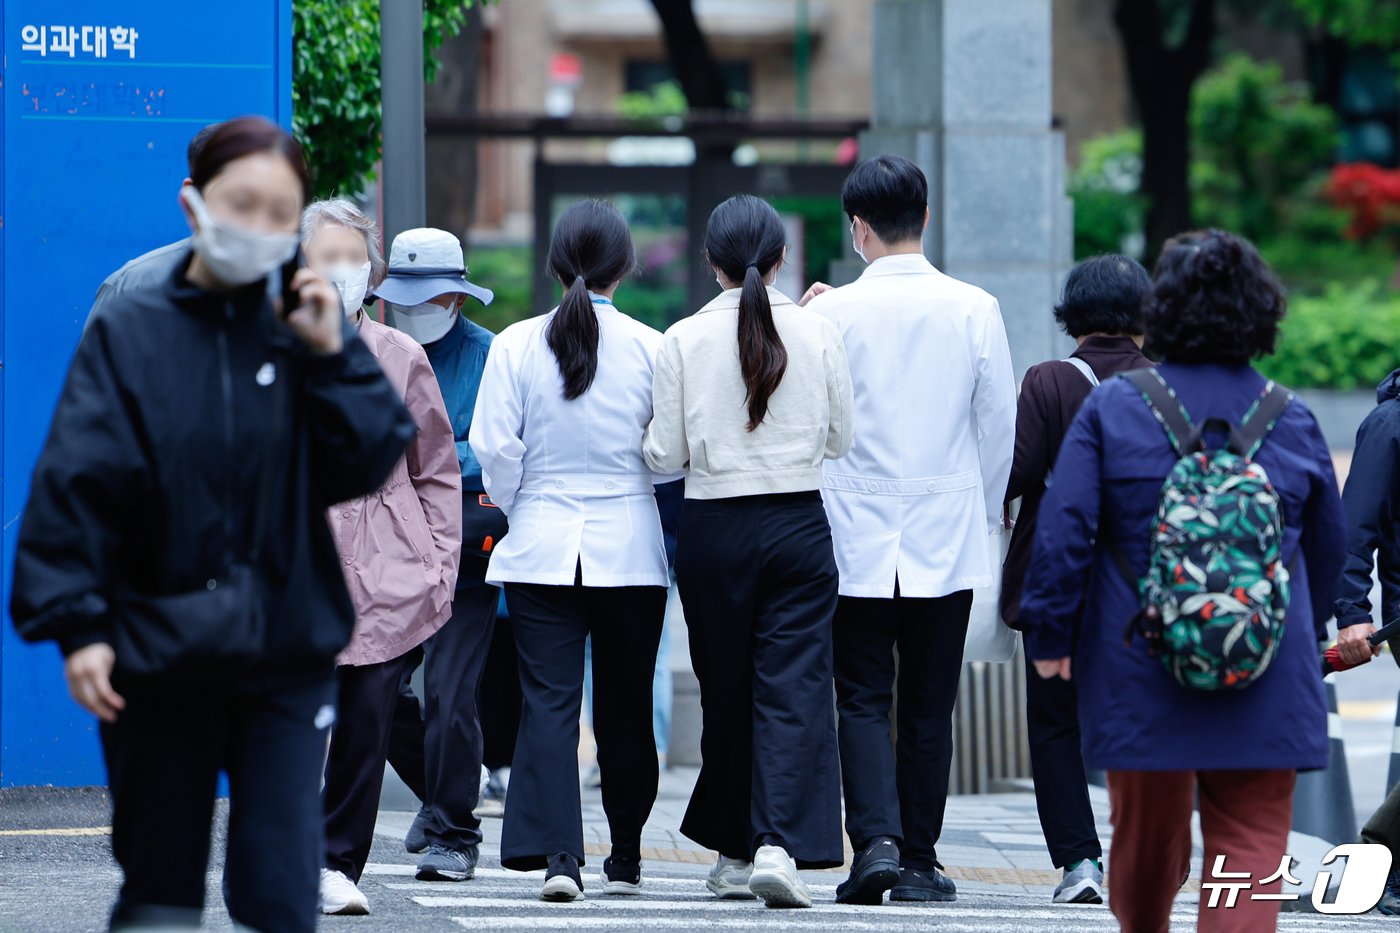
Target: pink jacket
point(400, 546)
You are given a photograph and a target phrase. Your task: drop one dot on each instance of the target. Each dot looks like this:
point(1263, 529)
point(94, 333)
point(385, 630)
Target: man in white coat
point(911, 507)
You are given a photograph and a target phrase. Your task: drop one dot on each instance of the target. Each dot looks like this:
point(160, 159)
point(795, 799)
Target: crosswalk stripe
point(640, 904)
point(772, 920)
point(499, 899)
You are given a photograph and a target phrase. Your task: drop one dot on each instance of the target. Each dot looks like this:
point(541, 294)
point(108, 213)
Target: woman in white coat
point(752, 394)
point(558, 430)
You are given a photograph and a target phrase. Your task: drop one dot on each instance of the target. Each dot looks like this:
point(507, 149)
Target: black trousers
point(758, 579)
point(449, 731)
point(164, 754)
point(500, 698)
point(898, 790)
point(543, 811)
point(1057, 764)
point(407, 734)
point(367, 697)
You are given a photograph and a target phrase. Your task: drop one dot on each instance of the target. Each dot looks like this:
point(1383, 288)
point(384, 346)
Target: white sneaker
point(339, 895)
point(775, 880)
point(729, 879)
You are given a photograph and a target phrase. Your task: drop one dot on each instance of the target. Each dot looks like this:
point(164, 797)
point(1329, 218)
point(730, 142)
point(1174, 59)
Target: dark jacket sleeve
point(358, 423)
point(1063, 557)
point(92, 472)
point(1370, 512)
point(1031, 461)
point(1324, 532)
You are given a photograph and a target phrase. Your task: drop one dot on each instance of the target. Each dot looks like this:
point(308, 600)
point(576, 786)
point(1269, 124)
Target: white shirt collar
point(899, 264)
point(728, 300)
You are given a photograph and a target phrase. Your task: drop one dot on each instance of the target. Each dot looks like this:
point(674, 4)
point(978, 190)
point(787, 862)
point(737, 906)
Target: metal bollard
point(1322, 804)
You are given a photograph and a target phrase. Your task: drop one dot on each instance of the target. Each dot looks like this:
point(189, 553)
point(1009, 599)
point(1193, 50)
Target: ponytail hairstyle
point(745, 240)
point(591, 250)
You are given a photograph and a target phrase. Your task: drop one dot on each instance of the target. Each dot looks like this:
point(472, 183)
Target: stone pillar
point(963, 88)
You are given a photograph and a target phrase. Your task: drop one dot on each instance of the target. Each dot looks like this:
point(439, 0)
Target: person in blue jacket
point(1213, 308)
point(1373, 541)
point(427, 285)
point(1373, 533)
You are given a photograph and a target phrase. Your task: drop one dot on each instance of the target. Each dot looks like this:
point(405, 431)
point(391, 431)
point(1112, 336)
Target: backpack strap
point(1246, 439)
point(1167, 408)
point(1085, 370)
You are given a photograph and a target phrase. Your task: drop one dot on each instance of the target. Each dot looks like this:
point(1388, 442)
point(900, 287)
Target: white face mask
point(425, 323)
point(234, 255)
point(858, 251)
point(351, 282)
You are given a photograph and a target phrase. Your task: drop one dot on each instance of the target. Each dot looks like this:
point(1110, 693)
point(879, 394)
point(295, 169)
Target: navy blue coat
point(1372, 501)
point(1110, 470)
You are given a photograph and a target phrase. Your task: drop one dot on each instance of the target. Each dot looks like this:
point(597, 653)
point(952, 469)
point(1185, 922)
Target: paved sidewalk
point(992, 845)
point(57, 876)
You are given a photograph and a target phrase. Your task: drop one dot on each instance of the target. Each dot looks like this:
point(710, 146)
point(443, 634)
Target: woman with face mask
point(400, 549)
point(558, 428)
point(751, 395)
point(175, 543)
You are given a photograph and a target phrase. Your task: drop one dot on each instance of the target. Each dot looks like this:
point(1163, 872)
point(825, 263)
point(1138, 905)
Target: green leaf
point(335, 83)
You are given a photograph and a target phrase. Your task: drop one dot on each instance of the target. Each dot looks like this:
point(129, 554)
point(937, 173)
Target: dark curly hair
point(1213, 300)
point(1103, 295)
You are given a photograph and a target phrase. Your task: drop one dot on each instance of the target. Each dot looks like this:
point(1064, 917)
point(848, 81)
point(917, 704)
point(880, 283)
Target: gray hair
point(342, 212)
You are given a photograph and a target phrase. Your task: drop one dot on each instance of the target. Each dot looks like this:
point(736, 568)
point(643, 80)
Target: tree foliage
point(1256, 140)
point(335, 83)
point(1360, 22)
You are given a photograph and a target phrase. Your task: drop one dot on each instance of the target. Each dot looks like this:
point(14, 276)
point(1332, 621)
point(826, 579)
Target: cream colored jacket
point(700, 410)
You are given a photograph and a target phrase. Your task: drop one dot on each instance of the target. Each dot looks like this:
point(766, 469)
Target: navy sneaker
point(622, 875)
point(915, 885)
point(562, 882)
point(874, 871)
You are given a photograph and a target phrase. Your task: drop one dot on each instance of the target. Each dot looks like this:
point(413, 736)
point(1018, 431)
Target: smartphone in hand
point(291, 300)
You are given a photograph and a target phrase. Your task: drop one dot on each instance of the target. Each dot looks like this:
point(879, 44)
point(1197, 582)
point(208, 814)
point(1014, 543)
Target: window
point(645, 74)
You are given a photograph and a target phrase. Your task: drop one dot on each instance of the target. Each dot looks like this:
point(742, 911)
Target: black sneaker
point(562, 882)
point(917, 885)
point(416, 842)
point(622, 875)
point(874, 871)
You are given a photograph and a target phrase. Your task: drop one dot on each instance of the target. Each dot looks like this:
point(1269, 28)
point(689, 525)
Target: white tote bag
point(988, 637)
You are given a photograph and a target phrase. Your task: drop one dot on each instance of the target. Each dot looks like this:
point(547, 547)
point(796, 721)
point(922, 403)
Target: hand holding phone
point(310, 307)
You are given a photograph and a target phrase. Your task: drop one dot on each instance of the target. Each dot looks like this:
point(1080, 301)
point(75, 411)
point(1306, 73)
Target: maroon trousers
point(1245, 816)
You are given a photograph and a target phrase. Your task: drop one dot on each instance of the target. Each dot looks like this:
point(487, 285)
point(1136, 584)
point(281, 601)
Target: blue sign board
point(98, 100)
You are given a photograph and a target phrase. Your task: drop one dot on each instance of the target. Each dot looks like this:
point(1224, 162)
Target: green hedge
point(1344, 338)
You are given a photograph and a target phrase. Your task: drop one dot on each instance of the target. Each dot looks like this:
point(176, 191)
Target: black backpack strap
point(1167, 408)
point(1246, 439)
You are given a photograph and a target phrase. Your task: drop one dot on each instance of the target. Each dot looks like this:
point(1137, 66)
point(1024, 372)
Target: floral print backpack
point(1216, 591)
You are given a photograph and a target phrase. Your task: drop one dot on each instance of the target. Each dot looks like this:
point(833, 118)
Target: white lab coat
point(569, 474)
point(935, 422)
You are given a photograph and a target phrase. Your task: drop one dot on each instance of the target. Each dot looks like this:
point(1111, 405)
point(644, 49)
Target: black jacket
point(1372, 499)
point(1051, 394)
point(148, 483)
